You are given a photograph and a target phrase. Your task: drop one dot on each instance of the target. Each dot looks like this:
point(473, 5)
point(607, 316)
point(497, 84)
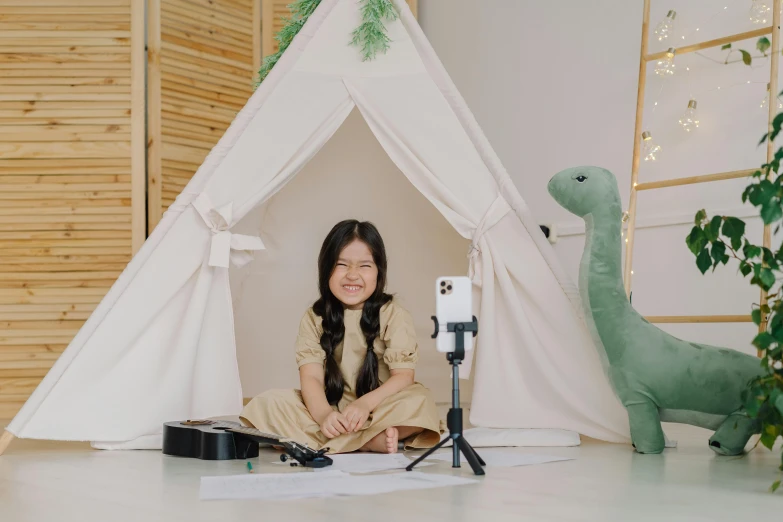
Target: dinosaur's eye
point(581, 179)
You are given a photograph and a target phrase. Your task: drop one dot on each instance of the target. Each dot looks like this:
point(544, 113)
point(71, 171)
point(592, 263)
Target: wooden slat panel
point(204, 73)
point(204, 32)
point(10, 386)
point(69, 108)
point(61, 3)
point(63, 23)
point(8, 410)
point(20, 150)
point(55, 13)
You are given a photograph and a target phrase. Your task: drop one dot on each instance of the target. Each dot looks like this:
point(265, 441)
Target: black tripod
point(454, 417)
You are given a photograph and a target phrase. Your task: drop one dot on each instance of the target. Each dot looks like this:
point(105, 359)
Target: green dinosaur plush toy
point(656, 376)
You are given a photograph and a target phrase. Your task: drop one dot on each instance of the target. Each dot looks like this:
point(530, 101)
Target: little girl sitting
point(352, 397)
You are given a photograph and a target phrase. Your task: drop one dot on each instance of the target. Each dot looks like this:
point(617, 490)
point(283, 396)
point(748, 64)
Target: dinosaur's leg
point(733, 434)
point(646, 432)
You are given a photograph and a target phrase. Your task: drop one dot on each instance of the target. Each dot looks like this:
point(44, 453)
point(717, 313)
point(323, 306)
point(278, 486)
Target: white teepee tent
point(161, 345)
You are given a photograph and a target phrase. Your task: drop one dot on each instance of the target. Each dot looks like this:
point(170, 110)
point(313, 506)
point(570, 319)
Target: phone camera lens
point(448, 287)
point(442, 291)
point(443, 283)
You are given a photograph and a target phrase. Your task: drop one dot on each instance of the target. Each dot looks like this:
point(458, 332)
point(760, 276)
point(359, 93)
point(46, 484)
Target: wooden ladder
point(636, 187)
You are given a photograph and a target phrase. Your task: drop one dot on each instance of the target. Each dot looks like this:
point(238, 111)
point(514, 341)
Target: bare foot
point(384, 442)
point(392, 437)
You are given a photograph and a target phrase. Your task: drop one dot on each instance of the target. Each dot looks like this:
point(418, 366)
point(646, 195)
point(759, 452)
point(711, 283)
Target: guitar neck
point(256, 433)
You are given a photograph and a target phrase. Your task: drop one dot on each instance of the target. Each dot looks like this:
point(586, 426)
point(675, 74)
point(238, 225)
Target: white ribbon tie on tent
point(496, 211)
point(225, 244)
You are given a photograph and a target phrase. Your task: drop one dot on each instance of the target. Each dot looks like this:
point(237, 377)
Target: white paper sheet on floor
point(369, 463)
point(303, 484)
point(502, 459)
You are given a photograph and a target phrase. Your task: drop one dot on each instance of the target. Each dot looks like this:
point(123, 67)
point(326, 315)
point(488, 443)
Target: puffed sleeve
point(308, 345)
point(400, 338)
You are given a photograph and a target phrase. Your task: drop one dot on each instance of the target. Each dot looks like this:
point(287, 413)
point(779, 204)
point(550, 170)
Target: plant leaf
point(746, 58)
point(763, 340)
point(703, 261)
point(756, 315)
point(718, 251)
point(696, 240)
point(745, 268)
point(768, 440)
point(751, 251)
point(734, 228)
point(777, 121)
point(771, 212)
point(767, 278)
point(776, 399)
point(775, 485)
point(701, 215)
point(727, 46)
point(763, 44)
point(713, 229)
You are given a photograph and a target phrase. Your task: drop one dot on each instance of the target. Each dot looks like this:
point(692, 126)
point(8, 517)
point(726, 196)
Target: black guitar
point(225, 440)
point(208, 440)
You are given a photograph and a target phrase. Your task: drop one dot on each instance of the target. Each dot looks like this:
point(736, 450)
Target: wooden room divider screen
point(72, 172)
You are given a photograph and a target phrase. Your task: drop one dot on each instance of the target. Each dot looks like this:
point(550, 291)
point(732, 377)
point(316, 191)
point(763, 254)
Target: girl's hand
point(356, 415)
point(334, 424)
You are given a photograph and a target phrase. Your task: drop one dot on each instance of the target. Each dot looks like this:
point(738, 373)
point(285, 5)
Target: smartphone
point(453, 304)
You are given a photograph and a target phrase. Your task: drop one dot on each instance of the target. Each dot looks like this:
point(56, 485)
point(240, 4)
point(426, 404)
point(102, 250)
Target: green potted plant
point(715, 241)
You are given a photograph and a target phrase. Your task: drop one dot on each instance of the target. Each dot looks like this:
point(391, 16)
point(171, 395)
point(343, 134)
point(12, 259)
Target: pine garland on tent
point(371, 34)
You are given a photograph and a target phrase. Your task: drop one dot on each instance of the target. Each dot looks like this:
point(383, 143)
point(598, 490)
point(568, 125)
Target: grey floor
point(48, 481)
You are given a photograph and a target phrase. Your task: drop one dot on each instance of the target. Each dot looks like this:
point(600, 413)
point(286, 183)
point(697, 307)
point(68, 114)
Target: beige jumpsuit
point(283, 411)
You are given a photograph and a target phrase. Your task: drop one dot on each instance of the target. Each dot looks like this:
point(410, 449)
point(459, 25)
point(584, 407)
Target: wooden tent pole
point(772, 107)
point(637, 139)
point(5, 440)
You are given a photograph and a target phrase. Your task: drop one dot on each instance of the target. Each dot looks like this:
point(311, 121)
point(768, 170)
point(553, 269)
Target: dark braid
point(331, 311)
point(334, 331)
point(370, 322)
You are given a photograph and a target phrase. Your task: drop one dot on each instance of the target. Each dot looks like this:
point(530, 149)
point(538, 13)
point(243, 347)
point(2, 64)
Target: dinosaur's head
point(584, 190)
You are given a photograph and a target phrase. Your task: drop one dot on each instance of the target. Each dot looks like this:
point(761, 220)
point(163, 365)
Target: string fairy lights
point(765, 100)
point(760, 12)
point(664, 67)
point(650, 149)
point(666, 27)
point(689, 120)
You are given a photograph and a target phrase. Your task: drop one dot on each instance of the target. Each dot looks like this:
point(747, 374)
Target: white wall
point(553, 85)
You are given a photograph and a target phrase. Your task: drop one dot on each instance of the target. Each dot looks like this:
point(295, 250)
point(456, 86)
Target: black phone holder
point(305, 456)
point(454, 417)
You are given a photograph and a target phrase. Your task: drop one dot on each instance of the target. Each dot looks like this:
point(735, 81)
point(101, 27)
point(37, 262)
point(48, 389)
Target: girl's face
point(355, 277)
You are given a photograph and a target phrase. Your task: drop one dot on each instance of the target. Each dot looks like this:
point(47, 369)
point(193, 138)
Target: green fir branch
point(371, 34)
point(300, 13)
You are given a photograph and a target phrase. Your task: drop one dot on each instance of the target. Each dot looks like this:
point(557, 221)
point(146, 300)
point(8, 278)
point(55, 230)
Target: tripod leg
point(429, 452)
point(470, 455)
point(478, 457)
